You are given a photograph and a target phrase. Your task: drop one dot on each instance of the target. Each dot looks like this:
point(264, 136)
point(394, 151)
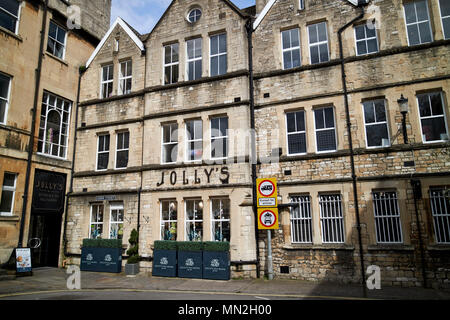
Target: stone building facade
point(43, 44)
point(157, 109)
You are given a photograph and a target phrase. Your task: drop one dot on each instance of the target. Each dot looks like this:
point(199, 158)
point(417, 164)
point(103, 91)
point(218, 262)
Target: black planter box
point(216, 265)
point(190, 264)
point(101, 260)
point(164, 263)
point(131, 269)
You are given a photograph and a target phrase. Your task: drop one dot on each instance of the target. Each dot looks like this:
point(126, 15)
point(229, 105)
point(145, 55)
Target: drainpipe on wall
point(33, 124)
point(253, 156)
point(417, 194)
point(142, 151)
point(81, 72)
point(350, 142)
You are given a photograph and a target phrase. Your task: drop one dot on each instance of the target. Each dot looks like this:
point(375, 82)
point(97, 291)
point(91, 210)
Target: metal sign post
point(269, 255)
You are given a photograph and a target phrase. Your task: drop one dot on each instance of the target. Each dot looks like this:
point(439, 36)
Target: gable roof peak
point(131, 32)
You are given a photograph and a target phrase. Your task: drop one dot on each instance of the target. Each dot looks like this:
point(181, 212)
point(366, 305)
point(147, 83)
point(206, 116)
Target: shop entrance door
point(47, 210)
point(45, 231)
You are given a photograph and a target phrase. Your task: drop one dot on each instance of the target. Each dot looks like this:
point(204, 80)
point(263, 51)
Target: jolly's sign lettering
point(198, 176)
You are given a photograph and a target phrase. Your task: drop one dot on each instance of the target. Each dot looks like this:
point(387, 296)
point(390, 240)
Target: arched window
point(52, 132)
point(54, 126)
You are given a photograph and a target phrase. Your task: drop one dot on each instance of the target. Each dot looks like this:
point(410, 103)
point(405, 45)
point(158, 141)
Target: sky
point(142, 15)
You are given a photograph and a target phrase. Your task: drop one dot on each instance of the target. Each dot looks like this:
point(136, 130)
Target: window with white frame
point(9, 14)
point(107, 81)
point(331, 218)
point(366, 39)
point(194, 220)
point(318, 43)
point(194, 15)
point(168, 220)
point(194, 140)
point(218, 54)
point(54, 125)
point(296, 132)
point(56, 44)
point(301, 219)
point(96, 225)
point(125, 77)
point(5, 82)
point(194, 59)
point(8, 192)
point(440, 209)
point(122, 150)
point(169, 143)
point(171, 63)
point(116, 221)
point(301, 4)
point(103, 151)
point(219, 137)
point(291, 48)
point(375, 120)
point(220, 219)
point(444, 6)
point(388, 227)
point(418, 24)
point(432, 117)
point(325, 129)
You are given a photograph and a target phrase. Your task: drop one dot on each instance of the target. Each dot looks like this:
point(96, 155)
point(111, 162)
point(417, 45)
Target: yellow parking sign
point(266, 193)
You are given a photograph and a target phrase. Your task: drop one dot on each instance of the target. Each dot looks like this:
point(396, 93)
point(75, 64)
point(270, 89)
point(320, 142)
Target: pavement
point(54, 280)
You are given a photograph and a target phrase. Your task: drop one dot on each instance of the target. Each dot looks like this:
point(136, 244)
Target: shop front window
point(116, 221)
point(220, 219)
point(194, 220)
point(96, 226)
point(168, 220)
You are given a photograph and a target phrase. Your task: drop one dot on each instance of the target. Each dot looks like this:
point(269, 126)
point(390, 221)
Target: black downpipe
point(139, 216)
point(38, 72)
point(81, 71)
point(142, 156)
point(416, 186)
point(350, 142)
point(253, 157)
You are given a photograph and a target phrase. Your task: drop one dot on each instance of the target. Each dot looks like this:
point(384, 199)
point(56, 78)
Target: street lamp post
point(403, 104)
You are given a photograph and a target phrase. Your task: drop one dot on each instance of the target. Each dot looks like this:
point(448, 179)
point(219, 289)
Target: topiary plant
point(133, 251)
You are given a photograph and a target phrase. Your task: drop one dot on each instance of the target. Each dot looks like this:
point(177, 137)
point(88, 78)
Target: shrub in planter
point(190, 259)
point(216, 260)
point(102, 243)
point(165, 259)
point(132, 265)
point(101, 255)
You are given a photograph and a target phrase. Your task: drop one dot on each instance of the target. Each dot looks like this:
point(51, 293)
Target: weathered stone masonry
point(395, 69)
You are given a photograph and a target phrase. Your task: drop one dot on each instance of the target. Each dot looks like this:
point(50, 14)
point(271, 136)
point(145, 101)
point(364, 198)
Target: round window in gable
point(194, 15)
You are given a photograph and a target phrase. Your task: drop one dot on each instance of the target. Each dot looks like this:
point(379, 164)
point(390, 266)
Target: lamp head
point(403, 104)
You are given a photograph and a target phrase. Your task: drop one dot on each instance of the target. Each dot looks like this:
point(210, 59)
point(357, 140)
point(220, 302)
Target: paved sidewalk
point(52, 279)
